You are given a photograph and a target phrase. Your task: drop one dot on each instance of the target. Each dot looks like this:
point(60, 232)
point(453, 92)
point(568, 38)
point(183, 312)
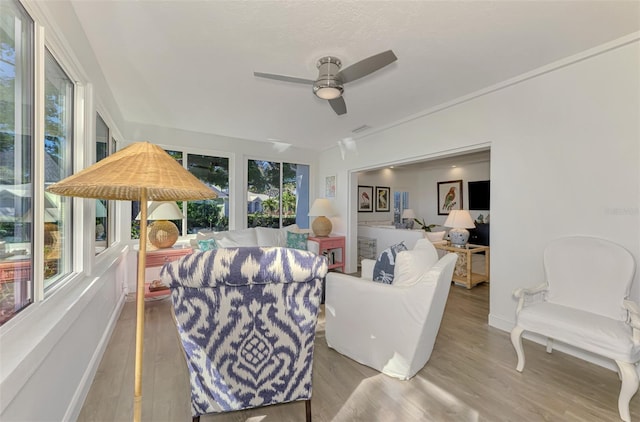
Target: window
point(58, 142)
point(401, 203)
point(210, 214)
point(104, 236)
point(277, 194)
point(16, 152)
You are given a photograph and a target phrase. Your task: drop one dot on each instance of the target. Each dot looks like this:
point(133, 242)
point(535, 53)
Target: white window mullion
point(37, 180)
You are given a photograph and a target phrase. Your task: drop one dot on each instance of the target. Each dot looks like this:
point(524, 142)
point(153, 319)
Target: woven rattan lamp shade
point(126, 173)
point(139, 172)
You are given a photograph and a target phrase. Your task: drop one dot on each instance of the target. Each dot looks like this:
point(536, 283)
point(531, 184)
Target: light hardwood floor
point(471, 376)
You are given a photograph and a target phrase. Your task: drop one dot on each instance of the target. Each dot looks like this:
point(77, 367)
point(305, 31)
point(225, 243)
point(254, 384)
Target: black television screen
point(479, 195)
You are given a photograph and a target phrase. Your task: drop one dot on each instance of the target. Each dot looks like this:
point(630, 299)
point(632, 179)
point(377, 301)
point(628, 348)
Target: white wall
point(565, 160)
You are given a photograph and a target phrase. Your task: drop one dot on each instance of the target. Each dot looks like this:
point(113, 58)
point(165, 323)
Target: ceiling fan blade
point(338, 105)
point(367, 66)
point(283, 78)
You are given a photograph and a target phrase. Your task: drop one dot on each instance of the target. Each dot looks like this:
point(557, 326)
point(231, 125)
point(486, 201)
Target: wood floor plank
point(471, 376)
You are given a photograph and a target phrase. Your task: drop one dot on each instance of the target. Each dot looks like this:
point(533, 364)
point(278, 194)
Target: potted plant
point(424, 226)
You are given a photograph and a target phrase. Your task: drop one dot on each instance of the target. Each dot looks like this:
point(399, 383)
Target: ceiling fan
point(330, 83)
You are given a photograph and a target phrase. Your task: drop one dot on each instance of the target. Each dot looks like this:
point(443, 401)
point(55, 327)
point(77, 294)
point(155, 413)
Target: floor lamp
point(139, 172)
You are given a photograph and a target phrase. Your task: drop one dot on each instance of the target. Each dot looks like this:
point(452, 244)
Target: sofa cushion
point(383, 270)
point(412, 265)
point(297, 240)
point(236, 238)
point(269, 237)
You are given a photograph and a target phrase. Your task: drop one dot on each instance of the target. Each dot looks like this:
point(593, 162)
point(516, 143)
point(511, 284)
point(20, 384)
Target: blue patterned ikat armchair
point(247, 319)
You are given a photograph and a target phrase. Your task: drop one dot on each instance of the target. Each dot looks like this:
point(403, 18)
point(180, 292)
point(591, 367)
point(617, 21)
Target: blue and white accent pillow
point(385, 264)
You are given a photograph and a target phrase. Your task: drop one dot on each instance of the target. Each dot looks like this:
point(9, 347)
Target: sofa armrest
point(524, 294)
point(633, 318)
point(313, 246)
point(366, 268)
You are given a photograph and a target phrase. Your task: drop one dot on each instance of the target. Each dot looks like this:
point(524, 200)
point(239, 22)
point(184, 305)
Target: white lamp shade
point(459, 219)
point(163, 210)
point(408, 213)
point(322, 207)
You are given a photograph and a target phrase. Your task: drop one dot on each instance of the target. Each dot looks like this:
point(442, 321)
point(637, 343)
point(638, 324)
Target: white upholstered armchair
point(583, 303)
point(390, 327)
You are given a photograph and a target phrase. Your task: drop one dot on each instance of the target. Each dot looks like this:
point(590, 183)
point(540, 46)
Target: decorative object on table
point(480, 219)
point(330, 186)
point(140, 172)
point(163, 233)
point(423, 225)
point(408, 215)
point(365, 198)
point(248, 340)
point(449, 196)
point(459, 221)
point(383, 202)
point(321, 209)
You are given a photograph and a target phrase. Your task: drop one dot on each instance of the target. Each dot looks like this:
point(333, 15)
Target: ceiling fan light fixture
point(327, 89)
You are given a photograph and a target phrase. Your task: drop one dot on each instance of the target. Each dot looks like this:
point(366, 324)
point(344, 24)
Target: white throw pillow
point(236, 238)
point(412, 265)
point(435, 236)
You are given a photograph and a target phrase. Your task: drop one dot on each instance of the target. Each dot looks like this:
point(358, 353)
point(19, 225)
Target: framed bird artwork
point(382, 199)
point(449, 196)
point(365, 198)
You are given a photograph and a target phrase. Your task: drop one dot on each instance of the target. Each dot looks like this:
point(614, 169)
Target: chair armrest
point(522, 294)
point(366, 268)
point(313, 246)
point(633, 318)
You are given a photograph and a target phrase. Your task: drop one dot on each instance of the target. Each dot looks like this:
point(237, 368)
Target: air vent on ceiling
point(361, 129)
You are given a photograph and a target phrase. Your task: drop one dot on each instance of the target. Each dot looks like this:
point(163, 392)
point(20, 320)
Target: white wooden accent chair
point(583, 303)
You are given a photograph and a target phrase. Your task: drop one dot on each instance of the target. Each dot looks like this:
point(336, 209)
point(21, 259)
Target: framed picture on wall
point(365, 198)
point(449, 196)
point(383, 202)
point(330, 187)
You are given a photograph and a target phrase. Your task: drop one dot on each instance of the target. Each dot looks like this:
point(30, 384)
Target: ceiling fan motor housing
point(328, 85)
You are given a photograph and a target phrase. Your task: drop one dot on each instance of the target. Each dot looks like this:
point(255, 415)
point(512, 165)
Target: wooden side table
point(333, 248)
point(463, 272)
point(158, 258)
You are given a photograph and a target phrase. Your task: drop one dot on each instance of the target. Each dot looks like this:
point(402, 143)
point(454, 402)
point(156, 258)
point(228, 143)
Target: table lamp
point(321, 209)
point(163, 233)
point(408, 215)
point(460, 221)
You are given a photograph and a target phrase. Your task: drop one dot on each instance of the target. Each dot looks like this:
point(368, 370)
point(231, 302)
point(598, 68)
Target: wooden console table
point(463, 272)
point(333, 248)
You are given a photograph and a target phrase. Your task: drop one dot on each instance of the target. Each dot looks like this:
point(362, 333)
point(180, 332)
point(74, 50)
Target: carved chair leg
point(307, 405)
point(629, 387)
point(516, 340)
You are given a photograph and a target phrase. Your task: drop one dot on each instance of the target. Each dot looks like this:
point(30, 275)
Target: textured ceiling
point(190, 64)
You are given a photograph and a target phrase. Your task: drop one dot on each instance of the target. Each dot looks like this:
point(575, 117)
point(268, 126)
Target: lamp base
point(321, 226)
point(459, 237)
point(163, 234)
